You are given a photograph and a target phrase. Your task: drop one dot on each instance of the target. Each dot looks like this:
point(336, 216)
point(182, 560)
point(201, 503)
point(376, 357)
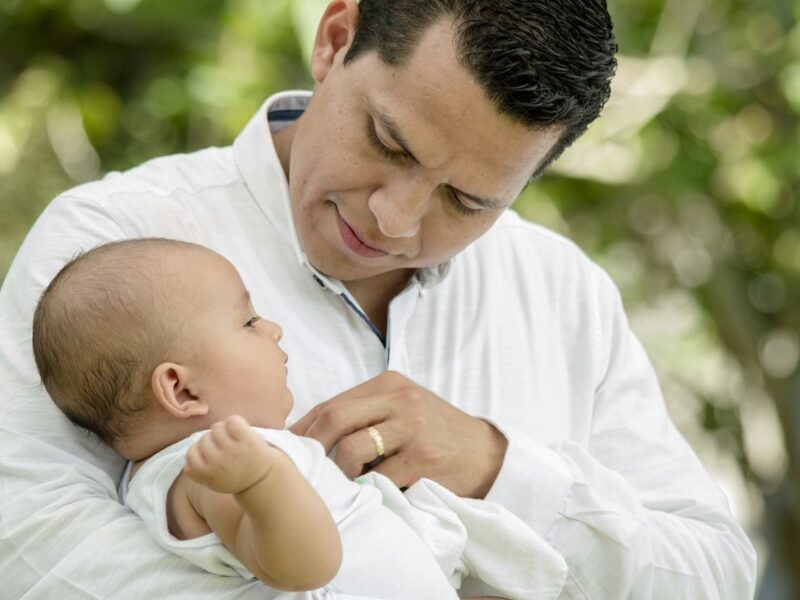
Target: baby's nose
point(276, 331)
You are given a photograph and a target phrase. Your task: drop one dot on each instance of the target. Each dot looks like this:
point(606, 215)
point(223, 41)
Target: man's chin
point(343, 269)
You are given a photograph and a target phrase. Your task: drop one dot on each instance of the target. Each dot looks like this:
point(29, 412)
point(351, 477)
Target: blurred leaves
point(91, 86)
point(686, 190)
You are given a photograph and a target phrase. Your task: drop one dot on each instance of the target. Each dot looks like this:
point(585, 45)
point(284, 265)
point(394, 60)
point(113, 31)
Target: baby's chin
point(277, 420)
point(289, 406)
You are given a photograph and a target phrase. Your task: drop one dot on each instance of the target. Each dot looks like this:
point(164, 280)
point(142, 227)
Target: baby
point(154, 346)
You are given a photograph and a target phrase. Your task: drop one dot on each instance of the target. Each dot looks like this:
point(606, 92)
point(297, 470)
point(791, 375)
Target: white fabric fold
point(472, 538)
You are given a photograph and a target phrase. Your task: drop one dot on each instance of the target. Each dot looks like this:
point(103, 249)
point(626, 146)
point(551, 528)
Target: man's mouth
point(355, 243)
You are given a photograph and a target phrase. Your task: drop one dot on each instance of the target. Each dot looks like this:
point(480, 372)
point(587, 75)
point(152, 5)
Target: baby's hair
point(101, 326)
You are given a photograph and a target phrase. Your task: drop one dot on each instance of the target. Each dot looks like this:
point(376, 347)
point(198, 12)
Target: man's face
point(394, 169)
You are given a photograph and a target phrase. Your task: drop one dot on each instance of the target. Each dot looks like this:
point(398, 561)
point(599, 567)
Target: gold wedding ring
point(377, 439)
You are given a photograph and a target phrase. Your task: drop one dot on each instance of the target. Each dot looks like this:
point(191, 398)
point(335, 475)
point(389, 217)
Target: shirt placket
point(401, 310)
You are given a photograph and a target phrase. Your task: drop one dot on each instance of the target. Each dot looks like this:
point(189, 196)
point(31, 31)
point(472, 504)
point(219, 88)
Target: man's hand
point(230, 458)
point(423, 435)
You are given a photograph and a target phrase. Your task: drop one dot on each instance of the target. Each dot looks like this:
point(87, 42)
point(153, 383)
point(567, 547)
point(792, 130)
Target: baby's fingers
point(209, 452)
point(238, 428)
point(229, 436)
point(219, 436)
point(196, 464)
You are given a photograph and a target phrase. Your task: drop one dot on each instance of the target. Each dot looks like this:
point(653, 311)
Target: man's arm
point(630, 508)
point(264, 511)
point(62, 528)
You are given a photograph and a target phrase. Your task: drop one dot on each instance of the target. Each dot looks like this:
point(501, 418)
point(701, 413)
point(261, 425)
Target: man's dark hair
point(541, 62)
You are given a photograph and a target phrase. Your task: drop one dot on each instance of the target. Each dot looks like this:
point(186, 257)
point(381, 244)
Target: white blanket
point(471, 538)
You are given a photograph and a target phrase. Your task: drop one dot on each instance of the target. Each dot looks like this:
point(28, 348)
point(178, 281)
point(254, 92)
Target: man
point(454, 341)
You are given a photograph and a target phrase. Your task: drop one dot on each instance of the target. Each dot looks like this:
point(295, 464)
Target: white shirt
point(522, 329)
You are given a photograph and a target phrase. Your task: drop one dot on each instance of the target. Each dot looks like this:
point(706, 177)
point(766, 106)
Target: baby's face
point(238, 365)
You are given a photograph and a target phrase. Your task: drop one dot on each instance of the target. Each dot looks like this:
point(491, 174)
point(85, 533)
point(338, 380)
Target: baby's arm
point(264, 511)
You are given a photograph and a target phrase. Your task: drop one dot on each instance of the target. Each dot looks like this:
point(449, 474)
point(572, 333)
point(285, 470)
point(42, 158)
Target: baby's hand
point(230, 458)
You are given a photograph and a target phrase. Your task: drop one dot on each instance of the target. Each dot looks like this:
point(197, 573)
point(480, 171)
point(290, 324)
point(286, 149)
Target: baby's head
point(145, 341)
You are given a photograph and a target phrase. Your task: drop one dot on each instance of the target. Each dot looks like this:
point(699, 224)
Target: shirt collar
point(258, 163)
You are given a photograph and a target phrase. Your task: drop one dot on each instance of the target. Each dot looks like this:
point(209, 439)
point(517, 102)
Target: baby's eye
point(252, 322)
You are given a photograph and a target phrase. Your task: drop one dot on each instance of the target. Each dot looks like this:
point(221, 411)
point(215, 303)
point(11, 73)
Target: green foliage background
point(686, 190)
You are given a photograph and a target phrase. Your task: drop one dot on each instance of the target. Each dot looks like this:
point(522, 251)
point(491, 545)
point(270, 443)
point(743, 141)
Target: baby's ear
point(172, 389)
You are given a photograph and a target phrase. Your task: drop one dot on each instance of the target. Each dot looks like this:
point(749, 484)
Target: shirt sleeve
point(633, 512)
point(63, 534)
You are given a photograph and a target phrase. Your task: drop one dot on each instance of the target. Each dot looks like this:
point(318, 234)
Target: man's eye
point(381, 147)
point(460, 206)
point(252, 322)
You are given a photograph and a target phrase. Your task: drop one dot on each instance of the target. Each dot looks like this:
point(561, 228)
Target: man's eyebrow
point(245, 298)
point(391, 128)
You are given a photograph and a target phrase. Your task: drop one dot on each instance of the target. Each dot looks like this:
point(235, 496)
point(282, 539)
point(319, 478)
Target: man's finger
point(378, 385)
point(399, 469)
point(300, 426)
point(360, 448)
point(339, 419)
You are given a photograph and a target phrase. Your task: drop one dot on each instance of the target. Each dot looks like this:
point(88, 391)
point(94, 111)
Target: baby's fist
point(229, 458)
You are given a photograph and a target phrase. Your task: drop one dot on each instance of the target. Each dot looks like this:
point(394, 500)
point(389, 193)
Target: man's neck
point(283, 145)
point(375, 294)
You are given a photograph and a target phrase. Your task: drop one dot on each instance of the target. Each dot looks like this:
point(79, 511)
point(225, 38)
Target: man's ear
point(172, 390)
point(334, 35)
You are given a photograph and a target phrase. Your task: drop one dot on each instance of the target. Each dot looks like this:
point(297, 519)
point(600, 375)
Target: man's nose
point(400, 205)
